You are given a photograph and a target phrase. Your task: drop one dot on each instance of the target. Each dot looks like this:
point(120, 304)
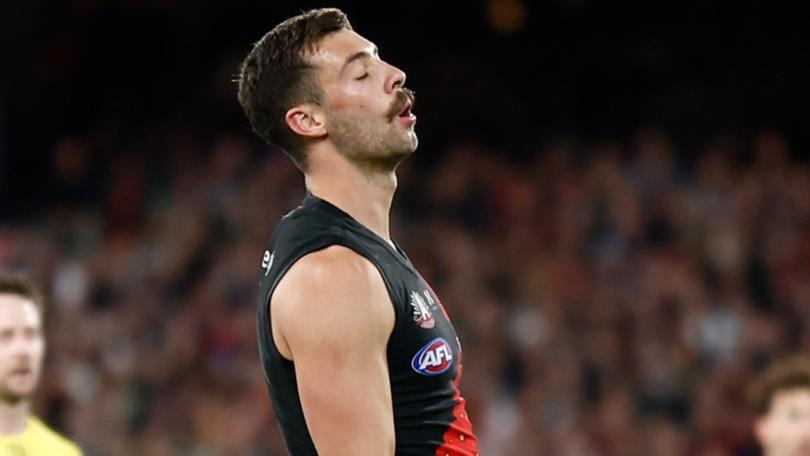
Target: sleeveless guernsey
point(424, 354)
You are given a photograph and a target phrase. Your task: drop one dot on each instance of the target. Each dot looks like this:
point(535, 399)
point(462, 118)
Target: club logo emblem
point(421, 311)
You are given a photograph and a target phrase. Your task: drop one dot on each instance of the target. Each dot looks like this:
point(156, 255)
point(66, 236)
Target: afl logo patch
point(434, 358)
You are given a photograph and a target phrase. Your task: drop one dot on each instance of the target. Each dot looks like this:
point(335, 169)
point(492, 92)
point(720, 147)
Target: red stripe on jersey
point(459, 439)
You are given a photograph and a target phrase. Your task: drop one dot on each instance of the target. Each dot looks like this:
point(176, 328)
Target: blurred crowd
point(612, 297)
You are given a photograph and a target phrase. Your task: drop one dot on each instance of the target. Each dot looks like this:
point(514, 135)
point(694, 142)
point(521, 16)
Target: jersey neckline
point(396, 249)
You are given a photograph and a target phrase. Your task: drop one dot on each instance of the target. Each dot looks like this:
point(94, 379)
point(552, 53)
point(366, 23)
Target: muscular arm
point(332, 316)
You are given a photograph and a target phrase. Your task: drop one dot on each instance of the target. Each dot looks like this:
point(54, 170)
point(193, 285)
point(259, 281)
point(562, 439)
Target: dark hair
point(787, 374)
point(16, 284)
point(276, 76)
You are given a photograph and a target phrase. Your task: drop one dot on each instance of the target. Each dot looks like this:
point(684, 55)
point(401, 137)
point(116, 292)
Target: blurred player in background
point(781, 400)
point(359, 355)
point(22, 347)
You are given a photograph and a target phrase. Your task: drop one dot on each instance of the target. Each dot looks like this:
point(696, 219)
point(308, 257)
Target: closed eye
point(364, 76)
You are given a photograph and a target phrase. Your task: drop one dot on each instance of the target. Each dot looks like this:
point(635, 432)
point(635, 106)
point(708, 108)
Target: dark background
point(132, 70)
point(612, 200)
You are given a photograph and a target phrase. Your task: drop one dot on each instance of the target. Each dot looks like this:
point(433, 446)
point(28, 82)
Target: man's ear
point(306, 120)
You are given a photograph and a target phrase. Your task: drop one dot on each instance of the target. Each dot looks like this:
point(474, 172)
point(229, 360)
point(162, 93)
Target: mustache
point(404, 96)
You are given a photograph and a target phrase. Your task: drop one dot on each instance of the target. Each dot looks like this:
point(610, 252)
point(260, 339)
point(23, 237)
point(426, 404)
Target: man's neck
point(366, 195)
point(13, 417)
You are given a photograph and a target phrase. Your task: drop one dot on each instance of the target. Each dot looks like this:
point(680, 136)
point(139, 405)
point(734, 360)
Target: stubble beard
point(375, 144)
point(10, 397)
point(11, 393)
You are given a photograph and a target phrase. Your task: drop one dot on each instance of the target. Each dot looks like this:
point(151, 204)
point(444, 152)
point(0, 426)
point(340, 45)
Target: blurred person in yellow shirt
point(781, 400)
point(22, 346)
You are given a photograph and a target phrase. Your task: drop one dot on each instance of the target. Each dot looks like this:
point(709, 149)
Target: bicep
point(336, 324)
point(347, 401)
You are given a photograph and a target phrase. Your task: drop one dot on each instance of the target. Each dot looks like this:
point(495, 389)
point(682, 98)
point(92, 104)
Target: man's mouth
point(406, 111)
point(403, 110)
point(21, 371)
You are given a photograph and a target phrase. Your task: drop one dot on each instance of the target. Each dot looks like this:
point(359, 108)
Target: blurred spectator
point(616, 300)
point(615, 288)
point(780, 399)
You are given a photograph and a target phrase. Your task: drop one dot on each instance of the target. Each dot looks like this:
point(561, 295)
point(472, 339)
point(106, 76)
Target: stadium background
point(611, 200)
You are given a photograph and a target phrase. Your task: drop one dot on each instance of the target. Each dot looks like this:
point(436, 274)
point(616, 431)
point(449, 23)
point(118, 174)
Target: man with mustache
point(359, 356)
point(22, 346)
point(781, 400)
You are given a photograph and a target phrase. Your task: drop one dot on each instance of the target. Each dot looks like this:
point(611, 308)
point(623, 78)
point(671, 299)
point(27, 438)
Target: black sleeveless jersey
point(424, 354)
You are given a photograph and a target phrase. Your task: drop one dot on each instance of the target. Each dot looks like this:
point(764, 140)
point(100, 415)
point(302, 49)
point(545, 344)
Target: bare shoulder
point(333, 291)
point(332, 316)
point(328, 264)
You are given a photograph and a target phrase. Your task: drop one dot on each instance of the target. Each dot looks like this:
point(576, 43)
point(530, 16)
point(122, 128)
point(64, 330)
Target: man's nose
point(22, 347)
point(396, 80)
